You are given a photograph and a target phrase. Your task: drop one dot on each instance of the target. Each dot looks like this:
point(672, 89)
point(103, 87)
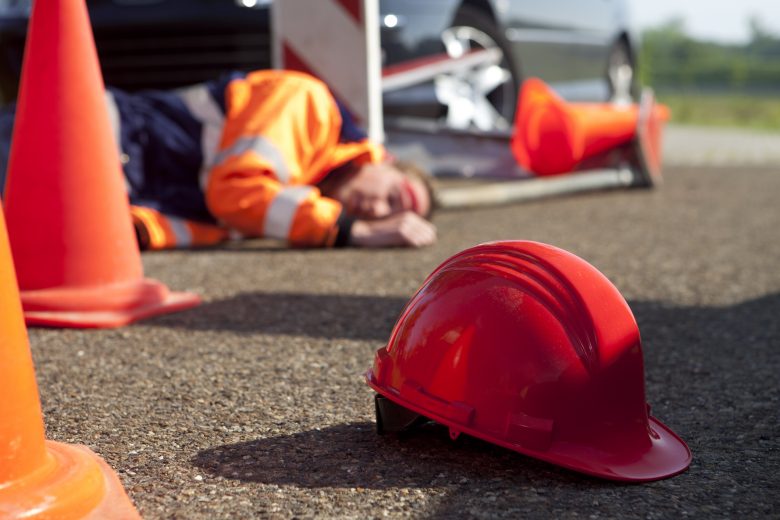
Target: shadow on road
point(711, 376)
point(297, 314)
point(354, 455)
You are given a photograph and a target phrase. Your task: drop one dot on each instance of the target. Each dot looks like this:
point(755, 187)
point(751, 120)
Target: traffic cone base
point(74, 482)
point(105, 306)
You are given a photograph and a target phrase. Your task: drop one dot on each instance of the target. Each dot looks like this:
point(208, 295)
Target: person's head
point(374, 191)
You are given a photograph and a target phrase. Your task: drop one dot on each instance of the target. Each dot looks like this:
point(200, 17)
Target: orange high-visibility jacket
point(263, 142)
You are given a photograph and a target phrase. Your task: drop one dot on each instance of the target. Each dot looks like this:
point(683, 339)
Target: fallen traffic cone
point(68, 214)
point(40, 478)
point(552, 136)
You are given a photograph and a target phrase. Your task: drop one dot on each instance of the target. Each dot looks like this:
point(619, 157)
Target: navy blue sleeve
point(6, 132)
point(350, 131)
point(217, 87)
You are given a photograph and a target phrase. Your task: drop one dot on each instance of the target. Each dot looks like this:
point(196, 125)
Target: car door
point(566, 42)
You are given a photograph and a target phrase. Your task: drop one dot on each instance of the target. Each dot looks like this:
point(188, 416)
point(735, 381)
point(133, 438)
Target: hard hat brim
point(667, 454)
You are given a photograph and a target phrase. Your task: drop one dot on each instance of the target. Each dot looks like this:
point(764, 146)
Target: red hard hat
point(529, 347)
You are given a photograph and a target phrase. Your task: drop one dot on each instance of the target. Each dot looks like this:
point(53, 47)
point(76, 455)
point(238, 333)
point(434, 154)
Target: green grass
point(733, 110)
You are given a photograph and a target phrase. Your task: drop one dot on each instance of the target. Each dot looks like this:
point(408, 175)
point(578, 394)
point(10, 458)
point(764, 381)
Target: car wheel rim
point(621, 76)
point(479, 96)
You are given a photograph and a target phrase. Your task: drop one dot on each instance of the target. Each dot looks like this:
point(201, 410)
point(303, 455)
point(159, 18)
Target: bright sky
point(725, 20)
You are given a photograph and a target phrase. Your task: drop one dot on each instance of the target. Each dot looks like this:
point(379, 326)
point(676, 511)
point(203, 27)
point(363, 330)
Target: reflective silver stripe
point(209, 143)
point(116, 129)
point(262, 147)
point(201, 104)
point(113, 116)
point(205, 109)
point(234, 234)
point(181, 231)
point(280, 216)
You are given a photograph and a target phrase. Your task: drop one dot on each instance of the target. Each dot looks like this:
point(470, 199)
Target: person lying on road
point(269, 154)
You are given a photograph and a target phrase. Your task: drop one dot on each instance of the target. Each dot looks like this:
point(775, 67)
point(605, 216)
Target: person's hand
point(407, 229)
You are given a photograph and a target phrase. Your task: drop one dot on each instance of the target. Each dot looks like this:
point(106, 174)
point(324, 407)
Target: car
point(584, 48)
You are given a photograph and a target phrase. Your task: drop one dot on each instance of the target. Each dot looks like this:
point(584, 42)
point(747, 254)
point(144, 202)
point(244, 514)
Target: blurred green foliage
point(712, 109)
point(670, 58)
point(714, 83)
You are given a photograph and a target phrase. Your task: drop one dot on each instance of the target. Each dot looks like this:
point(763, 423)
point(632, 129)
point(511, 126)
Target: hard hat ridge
point(539, 279)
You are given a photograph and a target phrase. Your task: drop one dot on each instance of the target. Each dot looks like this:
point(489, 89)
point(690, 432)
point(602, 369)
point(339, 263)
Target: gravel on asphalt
point(253, 405)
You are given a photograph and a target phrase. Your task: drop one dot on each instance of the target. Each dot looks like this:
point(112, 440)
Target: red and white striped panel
point(337, 41)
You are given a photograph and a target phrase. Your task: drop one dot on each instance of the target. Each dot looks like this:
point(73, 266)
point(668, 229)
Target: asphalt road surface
point(254, 405)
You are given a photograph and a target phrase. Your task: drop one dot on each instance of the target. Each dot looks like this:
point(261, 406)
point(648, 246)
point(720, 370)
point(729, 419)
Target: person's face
point(379, 190)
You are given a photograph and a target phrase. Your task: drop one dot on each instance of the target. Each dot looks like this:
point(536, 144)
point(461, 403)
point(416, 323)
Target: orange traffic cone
point(68, 214)
point(552, 136)
point(40, 478)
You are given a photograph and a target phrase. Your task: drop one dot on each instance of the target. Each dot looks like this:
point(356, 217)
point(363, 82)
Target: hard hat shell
point(531, 348)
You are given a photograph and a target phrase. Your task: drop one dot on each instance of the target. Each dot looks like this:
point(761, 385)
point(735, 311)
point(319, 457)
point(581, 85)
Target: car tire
point(472, 29)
